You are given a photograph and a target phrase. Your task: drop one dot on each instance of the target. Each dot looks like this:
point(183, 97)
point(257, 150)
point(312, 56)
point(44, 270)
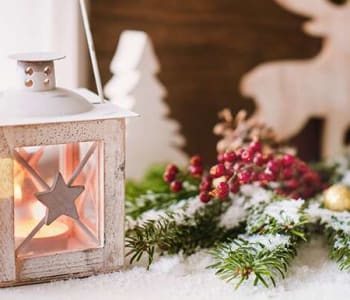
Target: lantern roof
point(98, 111)
point(37, 100)
point(37, 56)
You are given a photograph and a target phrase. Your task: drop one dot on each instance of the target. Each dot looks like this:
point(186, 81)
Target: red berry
point(292, 184)
point(230, 157)
point(217, 170)
point(204, 197)
point(247, 156)
point(244, 177)
point(229, 173)
point(239, 153)
point(273, 166)
point(259, 159)
point(220, 158)
point(196, 170)
point(266, 177)
point(169, 177)
point(254, 176)
point(234, 187)
point(288, 160)
point(172, 169)
point(308, 192)
point(255, 146)
point(196, 160)
point(223, 195)
point(221, 191)
point(311, 177)
point(280, 192)
point(176, 186)
point(206, 184)
point(288, 173)
point(223, 186)
point(302, 167)
point(238, 166)
point(295, 196)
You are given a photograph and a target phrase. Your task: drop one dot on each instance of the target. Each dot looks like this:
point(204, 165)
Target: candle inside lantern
point(49, 238)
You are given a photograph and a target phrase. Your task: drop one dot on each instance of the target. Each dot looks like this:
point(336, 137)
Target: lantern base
point(49, 279)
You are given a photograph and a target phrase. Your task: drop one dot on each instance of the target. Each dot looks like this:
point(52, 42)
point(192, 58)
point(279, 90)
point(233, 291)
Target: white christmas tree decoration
point(153, 138)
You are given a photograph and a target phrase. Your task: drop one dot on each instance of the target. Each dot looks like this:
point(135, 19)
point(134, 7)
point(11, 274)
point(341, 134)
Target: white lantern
point(62, 167)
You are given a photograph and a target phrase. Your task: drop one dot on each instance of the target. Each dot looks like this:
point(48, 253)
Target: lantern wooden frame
point(106, 123)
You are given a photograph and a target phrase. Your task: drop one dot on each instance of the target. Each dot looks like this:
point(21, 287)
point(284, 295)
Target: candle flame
point(38, 211)
point(17, 193)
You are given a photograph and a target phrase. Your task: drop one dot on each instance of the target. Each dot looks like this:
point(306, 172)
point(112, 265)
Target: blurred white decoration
point(289, 93)
point(50, 25)
point(153, 138)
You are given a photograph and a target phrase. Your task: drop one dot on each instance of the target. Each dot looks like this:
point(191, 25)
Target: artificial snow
point(286, 211)
point(258, 242)
point(312, 276)
point(180, 209)
point(235, 214)
point(255, 194)
point(334, 219)
point(268, 241)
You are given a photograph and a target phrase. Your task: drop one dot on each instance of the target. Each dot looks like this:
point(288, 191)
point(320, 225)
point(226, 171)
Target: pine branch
point(337, 228)
point(242, 258)
point(179, 232)
point(278, 217)
point(340, 248)
point(274, 231)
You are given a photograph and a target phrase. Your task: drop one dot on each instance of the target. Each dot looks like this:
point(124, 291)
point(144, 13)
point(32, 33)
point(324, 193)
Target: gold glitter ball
point(337, 198)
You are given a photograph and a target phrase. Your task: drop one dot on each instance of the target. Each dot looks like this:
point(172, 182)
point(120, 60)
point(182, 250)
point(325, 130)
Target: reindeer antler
point(308, 8)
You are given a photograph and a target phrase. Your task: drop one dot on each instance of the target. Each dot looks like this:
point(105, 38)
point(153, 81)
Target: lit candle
point(50, 238)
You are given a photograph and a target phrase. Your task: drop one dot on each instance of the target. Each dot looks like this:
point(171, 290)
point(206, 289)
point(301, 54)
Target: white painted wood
point(289, 93)
point(7, 250)
point(80, 263)
point(43, 25)
point(153, 138)
point(135, 52)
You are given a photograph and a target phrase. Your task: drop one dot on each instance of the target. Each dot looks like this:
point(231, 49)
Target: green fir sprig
point(243, 258)
point(273, 232)
point(340, 248)
point(336, 225)
point(177, 232)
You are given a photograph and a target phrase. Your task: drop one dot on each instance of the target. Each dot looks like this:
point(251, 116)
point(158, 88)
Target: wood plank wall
point(204, 48)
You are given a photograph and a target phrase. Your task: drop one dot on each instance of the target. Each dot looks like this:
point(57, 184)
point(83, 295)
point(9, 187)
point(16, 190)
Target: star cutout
point(60, 200)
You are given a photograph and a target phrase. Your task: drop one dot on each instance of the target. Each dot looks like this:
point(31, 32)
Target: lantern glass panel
point(62, 173)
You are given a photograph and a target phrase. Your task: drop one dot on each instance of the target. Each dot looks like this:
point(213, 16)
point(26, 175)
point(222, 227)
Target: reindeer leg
point(333, 137)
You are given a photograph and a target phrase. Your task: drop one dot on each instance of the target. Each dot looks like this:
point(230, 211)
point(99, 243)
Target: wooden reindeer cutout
point(289, 93)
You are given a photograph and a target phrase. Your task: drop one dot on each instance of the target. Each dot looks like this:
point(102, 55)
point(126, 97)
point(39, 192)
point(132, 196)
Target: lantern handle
point(92, 52)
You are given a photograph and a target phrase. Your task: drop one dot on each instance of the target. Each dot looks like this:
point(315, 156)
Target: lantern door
point(58, 198)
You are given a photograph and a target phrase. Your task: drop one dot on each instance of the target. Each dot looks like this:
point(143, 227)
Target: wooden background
point(204, 48)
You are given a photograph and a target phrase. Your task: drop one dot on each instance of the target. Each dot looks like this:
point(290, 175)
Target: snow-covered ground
point(311, 276)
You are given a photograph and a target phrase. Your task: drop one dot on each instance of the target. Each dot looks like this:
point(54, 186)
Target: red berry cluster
point(175, 177)
point(249, 165)
point(292, 177)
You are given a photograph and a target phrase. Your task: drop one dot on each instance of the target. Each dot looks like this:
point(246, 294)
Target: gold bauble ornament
point(337, 197)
